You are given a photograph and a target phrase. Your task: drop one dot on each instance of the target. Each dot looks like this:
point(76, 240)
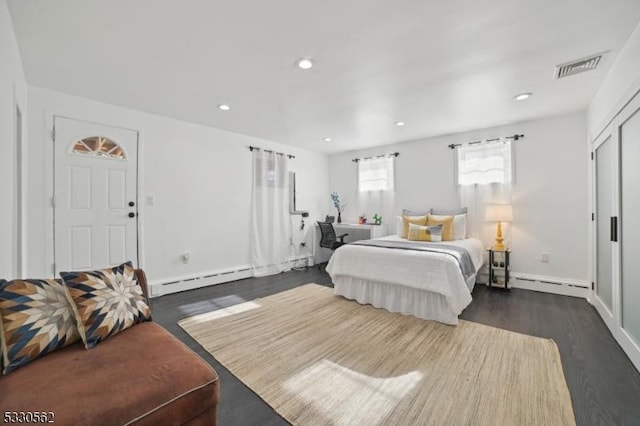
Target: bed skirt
point(396, 298)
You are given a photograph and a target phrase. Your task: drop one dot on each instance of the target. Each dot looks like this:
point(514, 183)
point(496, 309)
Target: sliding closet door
point(604, 186)
point(617, 228)
point(630, 223)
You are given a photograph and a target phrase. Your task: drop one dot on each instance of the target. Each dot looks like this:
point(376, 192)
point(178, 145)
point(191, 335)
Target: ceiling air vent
point(578, 66)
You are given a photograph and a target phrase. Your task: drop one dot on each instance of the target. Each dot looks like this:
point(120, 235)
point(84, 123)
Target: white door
point(605, 191)
point(95, 195)
point(617, 228)
point(629, 230)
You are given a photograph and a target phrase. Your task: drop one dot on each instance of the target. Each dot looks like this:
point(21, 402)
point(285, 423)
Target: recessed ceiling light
point(224, 107)
point(400, 123)
point(522, 96)
point(305, 64)
point(327, 139)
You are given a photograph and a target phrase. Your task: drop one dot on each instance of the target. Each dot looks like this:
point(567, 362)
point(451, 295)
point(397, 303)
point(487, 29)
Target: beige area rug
point(320, 359)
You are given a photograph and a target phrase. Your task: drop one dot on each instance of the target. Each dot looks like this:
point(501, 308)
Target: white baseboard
point(191, 282)
point(177, 284)
point(564, 286)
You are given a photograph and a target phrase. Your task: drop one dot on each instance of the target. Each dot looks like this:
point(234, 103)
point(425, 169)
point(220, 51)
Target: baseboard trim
point(563, 286)
point(192, 282)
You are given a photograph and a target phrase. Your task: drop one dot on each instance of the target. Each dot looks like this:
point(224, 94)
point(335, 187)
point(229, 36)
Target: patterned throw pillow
point(425, 233)
point(105, 302)
point(36, 318)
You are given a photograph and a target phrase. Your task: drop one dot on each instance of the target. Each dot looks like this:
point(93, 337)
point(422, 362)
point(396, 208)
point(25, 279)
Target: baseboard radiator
point(161, 288)
point(564, 286)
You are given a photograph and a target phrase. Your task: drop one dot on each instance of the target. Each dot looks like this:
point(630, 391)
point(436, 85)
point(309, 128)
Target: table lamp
point(499, 213)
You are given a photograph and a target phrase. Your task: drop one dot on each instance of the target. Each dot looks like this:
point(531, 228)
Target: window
point(376, 174)
point(98, 146)
point(484, 163)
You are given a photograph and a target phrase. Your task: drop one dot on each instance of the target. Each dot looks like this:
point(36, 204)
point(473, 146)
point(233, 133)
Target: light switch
point(150, 200)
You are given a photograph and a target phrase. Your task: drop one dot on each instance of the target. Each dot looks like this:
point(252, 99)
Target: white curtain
point(484, 176)
point(269, 213)
point(376, 174)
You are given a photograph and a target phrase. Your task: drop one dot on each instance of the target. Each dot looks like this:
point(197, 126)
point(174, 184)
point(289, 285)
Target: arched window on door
point(99, 146)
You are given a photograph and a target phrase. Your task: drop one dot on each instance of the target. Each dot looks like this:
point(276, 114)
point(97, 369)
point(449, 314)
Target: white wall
point(13, 90)
point(200, 178)
point(620, 84)
point(549, 195)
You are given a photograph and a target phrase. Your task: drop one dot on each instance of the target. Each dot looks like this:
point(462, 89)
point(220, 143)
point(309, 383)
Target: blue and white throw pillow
point(35, 319)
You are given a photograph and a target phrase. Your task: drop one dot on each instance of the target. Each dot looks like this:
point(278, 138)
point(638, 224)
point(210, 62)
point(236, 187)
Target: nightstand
point(499, 268)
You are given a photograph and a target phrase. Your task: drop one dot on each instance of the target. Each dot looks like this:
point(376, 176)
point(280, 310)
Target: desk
point(356, 232)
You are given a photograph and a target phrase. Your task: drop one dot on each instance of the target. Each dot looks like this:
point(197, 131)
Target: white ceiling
point(441, 66)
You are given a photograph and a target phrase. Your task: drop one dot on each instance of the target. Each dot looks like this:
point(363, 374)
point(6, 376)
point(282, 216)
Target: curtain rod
point(251, 148)
point(514, 137)
point(395, 154)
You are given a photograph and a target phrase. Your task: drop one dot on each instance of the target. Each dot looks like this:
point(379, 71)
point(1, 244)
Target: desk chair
point(329, 238)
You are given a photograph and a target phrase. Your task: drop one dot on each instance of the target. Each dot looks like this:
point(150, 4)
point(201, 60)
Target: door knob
point(132, 214)
point(131, 204)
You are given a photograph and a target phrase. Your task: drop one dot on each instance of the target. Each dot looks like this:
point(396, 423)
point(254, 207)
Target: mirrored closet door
point(617, 228)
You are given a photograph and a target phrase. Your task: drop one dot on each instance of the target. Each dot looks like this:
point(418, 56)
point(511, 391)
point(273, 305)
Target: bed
point(429, 280)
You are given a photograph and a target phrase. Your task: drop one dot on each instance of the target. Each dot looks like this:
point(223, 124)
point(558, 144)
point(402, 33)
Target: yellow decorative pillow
point(447, 229)
point(425, 233)
point(407, 220)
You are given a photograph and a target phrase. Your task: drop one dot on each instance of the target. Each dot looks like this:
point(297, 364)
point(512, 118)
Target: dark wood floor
point(604, 385)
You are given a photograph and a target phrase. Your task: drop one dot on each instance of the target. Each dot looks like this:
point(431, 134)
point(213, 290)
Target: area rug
point(320, 359)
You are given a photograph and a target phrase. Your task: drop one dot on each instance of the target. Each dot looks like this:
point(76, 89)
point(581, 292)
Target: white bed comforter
point(436, 272)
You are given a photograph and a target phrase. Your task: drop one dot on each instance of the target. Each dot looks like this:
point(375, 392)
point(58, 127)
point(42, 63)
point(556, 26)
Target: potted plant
point(339, 205)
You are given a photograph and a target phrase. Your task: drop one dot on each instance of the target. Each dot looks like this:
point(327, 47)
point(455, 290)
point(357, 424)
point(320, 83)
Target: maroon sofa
point(143, 376)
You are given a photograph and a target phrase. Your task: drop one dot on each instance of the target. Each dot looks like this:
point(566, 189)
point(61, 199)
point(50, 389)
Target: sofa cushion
point(143, 375)
point(106, 302)
point(35, 319)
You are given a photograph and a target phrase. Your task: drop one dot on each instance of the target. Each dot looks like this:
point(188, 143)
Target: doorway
point(95, 199)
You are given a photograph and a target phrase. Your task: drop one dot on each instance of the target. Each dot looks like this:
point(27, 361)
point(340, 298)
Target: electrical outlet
point(544, 257)
point(186, 257)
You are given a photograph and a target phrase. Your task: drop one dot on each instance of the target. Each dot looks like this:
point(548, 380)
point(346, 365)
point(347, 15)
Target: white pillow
point(459, 225)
